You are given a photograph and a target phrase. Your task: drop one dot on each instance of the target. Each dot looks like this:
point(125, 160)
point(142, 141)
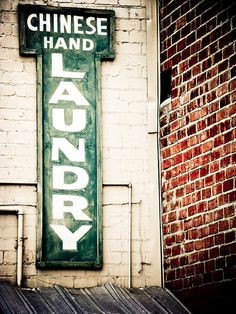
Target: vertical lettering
point(74, 43)
point(89, 21)
point(68, 91)
point(88, 44)
point(45, 22)
point(78, 120)
point(65, 23)
point(48, 41)
point(101, 29)
point(57, 68)
point(78, 25)
point(29, 22)
point(69, 239)
point(69, 150)
point(61, 43)
point(76, 205)
point(60, 174)
point(55, 23)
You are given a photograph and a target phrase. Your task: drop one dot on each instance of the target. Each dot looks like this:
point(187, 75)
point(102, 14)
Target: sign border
point(109, 54)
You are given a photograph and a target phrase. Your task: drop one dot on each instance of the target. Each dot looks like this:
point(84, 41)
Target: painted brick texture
point(8, 240)
point(125, 145)
point(198, 144)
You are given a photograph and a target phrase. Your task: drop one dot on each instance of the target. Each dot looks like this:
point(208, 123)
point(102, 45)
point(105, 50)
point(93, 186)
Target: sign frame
point(108, 54)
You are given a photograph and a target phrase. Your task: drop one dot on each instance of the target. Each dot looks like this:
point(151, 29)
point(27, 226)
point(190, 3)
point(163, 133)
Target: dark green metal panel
point(69, 44)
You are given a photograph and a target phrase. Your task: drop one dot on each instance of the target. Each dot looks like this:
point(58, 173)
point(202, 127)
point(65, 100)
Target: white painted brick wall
point(8, 238)
point(17, 104)
point(124, 148)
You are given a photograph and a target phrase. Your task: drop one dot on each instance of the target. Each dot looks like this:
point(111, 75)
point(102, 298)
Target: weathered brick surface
point(198, 144)
point(17, 103)
point(8, 242)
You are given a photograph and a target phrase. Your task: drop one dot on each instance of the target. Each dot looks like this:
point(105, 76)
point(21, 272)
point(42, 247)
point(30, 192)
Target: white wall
point(128, 150)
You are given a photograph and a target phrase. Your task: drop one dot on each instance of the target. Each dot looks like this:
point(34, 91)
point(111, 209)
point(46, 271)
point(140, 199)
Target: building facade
point(167, 139)
point(130, 227)
point(198, 149)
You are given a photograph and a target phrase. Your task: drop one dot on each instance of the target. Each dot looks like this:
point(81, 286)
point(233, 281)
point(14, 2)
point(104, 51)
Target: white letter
point(29, 24)
point(57, 68)
point(55, 23)
point(74, 43)
point(100, 27)
point(77, 24)
point(59, 176)
point(48, 41)
point(78, 120)
point(90, 45)
point(65, 24)
point(69, 239)
point(73, 94)
point(69, 150)
point(75, 207)
point(90, 25)
point(46, 22)
point(61, 43)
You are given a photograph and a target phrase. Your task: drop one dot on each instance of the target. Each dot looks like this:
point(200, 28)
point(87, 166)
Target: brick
point(172, 216)
point(137, 13)
point(176, 227)
point(209, 242)
point(233, 248)
point(229, 211)
point(167, 163)
point(224, 250)
point(214, 252)
point(179, 238)
point(199, 245)
point(228, 185)
point(213, 228)
point(171, 275)
point(192, 234)
point(204, 171)
point(182, 214)
point(176, 250)
point(197, 221)
point(223, 225)
point(225, 161)
point(194, 174)
point(201, 207)
point(180, 273)
point(193, 258)
point(230, 236)
point(224, 101)
point(217, 189)
point(212, 204)
point(189, 247)
point(10, 257)
point(232, 85)
point(190, 188)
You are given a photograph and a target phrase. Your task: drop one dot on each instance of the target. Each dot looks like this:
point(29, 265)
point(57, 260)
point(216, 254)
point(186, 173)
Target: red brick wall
point(198, 144)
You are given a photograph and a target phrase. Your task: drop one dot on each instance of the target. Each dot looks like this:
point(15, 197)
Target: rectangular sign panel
point(68, 44)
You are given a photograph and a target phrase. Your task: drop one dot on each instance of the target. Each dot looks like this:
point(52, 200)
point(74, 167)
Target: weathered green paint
point(49, 246)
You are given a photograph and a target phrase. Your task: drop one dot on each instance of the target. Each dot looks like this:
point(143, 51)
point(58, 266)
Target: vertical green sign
point(69, 45)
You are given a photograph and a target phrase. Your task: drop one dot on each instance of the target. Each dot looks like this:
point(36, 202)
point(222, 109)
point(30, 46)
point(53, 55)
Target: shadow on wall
point(213, 301)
